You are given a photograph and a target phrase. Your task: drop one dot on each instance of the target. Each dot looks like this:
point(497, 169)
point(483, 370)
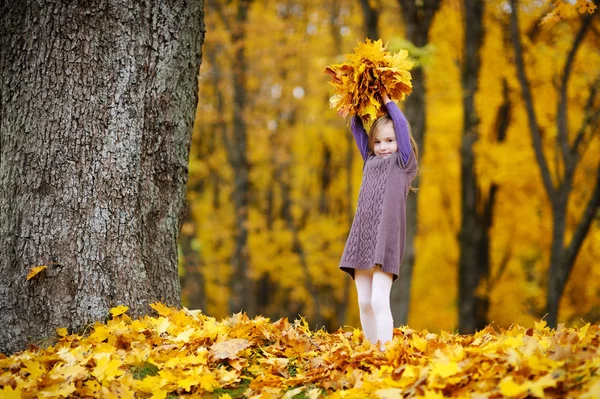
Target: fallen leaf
point(34, 271)
point(229, 349)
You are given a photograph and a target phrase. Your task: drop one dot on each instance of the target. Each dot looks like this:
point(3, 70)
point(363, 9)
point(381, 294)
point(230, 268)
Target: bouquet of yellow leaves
point(370, 71)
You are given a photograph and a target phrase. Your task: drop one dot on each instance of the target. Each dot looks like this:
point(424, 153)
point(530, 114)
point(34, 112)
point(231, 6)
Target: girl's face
point(384, 143)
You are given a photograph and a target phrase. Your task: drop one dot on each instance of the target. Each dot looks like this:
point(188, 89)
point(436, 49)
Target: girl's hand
point(385, 98)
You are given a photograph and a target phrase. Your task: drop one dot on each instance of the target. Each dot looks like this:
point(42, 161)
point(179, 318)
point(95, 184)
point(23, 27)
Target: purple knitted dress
point(378, 232)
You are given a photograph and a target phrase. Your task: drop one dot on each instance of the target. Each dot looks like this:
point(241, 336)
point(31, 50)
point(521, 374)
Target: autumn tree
point(417, 17)
point(559, 159)
point(474, 260)
point(234, 18)
point(96, 107)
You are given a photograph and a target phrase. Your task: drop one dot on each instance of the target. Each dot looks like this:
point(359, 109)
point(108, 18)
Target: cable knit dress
point(378, 232)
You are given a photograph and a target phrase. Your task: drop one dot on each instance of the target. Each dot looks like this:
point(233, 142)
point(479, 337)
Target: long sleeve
point(402, 130)
point(360, 136)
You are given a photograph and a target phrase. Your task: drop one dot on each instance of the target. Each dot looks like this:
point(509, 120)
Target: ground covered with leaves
point(183, 353)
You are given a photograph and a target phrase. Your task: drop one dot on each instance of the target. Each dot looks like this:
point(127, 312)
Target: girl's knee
point(380, 303)
point(364, 305)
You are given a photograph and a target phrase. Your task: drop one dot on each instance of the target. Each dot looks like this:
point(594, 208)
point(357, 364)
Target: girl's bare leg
point(363, 279)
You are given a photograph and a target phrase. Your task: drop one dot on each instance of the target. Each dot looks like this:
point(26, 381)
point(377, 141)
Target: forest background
point(274, 173)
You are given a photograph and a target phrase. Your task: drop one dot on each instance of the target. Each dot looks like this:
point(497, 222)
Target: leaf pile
point(184, 353)
point(370, 70)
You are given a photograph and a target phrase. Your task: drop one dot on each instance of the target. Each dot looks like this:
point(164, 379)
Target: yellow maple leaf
point(73, 372)
point(184, 336)
point(34, 271)
point(64, 389)
point(161, 324)
point(106, 368)
point(101, 332)
point(370, 71)
point(208, 382)
point(508, 387)
point(429, 394)
point(443, 369)
point(158, 394)
point(161, 309)
point(118, 310)
point(583, 331)
point(537, 387)
point(62, 332)
point(419, 343)
point(34, 368)
point(8, 393)
point(188, 382)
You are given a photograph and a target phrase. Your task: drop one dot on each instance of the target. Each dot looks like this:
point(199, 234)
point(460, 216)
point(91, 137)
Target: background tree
point(234, 17)
point(473, 262)
point(567, 149)
point(304, 172)
point(96, 110)
point(418, 18)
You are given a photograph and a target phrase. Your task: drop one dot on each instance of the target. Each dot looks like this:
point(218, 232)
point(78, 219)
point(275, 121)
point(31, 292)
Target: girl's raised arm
point(401, 128)
point(360, 136)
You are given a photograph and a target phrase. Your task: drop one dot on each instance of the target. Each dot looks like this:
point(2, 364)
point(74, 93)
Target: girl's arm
point(400, 127)
point(360, 136)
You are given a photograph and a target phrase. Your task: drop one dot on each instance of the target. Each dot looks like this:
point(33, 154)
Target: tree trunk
point(474, 259)
point(370, 19)
point(96, 109)
point(242, 296)
point(418, 17)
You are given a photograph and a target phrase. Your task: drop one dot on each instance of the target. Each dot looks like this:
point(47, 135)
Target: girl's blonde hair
point(382, 121)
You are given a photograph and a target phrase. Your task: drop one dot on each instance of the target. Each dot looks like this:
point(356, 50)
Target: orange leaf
point(35, 271)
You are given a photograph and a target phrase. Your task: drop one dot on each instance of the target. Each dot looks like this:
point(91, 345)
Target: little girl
point(375, 245)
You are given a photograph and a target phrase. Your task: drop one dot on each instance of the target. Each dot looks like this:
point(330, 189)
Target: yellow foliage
point(243, 357)
point(371, 69)
point(294, 141)
point(568, 9)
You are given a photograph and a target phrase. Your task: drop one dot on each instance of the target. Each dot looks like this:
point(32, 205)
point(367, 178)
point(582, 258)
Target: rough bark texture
point(474, 258)
point(96, 110)
point(418, 17)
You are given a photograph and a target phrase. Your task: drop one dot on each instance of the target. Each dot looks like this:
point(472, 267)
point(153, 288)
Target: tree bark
point(474, 258)
point(418, 17)
point(96, 108)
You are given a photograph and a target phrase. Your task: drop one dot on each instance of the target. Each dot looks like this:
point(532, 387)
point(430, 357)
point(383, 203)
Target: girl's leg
point(363, 279)
point(380, 302)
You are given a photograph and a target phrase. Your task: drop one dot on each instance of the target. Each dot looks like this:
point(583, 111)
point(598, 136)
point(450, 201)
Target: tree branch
point(220, 104)
point(561, 112)
point(526, 92)
point(584, 225)
point(589, 118)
